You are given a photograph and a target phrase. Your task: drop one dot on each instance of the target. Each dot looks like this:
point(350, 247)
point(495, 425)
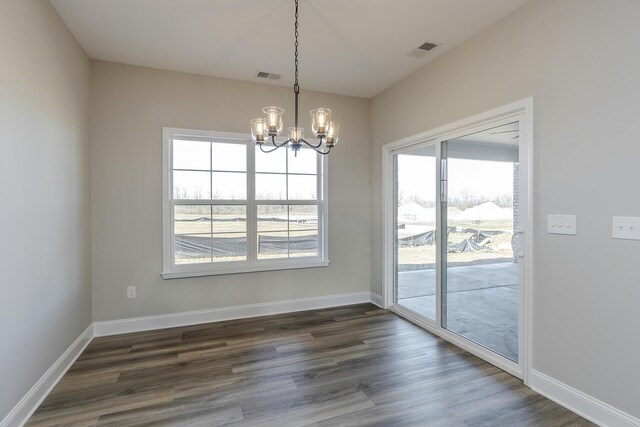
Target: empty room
point(320, 213)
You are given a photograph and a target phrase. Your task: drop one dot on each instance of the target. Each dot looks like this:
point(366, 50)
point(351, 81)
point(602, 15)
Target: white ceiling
point(352, 47)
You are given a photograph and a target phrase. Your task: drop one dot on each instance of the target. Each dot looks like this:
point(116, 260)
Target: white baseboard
point(21, 413)
point(148, 323)
point(581, 403)
point(376, 300)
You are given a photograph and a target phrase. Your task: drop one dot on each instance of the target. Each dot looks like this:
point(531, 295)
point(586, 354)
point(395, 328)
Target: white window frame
point(170, 270)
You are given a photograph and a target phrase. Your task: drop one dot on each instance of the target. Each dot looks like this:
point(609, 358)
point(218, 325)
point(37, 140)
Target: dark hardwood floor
point(356, 365)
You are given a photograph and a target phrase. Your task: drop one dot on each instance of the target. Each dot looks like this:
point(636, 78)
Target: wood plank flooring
point(356, 365)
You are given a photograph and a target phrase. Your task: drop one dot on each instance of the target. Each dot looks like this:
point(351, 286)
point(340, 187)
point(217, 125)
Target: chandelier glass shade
point(264, 130)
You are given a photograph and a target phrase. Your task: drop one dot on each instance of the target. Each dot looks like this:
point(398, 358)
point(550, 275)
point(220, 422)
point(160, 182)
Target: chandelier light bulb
point(320, 119)
point(332, 134)
point(273, 120)
point(296, 134)
point(258, 130)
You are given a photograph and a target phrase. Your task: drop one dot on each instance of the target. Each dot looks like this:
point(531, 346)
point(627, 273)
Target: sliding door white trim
point(522, 112)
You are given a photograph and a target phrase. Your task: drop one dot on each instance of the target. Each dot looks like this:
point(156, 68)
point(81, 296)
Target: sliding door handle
point(516, 244)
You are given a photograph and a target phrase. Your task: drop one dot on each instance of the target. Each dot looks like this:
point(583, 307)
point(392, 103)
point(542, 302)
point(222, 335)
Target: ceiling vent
point(265, 75)
point(422, 50)
point(428, 46)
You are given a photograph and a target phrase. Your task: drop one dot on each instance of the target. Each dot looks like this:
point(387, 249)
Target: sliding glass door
point(415, 224)
point(457, 238)
point(480, 275)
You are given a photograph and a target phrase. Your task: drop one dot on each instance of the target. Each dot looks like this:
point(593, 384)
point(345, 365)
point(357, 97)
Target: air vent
point(265, 75)
point(422, 50)
point(428, 46)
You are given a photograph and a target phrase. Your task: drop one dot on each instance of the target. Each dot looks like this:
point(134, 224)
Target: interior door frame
point(521, 111)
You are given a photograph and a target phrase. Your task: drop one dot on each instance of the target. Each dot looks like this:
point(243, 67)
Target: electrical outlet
point(131, 291)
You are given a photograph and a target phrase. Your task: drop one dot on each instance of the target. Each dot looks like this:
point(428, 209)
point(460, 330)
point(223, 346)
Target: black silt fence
point(188, 247)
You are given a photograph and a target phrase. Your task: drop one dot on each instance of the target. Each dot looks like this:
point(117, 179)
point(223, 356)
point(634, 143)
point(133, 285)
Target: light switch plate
point(626, 227)
point(562, 224)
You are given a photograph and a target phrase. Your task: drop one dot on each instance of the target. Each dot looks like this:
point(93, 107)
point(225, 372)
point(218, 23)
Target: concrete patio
point(482, 302)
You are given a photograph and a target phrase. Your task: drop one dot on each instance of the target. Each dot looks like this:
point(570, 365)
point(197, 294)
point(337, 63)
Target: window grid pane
point(210, 233)
point(275, 162)
point(229, 185)
point(192, 249)
point(305, 162)
point(271, 186)
point(228, 157)
point(191, 155)
point(303, 230)
point(228, 219)
point(192, 219)
point(191, 185)
point(229, 247)
point(302, 187)
point(273, 245)
point(273, 234)
point(287, 231)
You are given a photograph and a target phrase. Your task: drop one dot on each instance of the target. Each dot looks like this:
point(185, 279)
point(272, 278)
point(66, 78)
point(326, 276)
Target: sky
point(417, 176)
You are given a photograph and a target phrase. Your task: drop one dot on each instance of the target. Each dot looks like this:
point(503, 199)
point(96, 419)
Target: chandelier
point(264, 130)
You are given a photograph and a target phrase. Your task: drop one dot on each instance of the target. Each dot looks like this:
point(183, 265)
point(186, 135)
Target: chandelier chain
point(296, 87)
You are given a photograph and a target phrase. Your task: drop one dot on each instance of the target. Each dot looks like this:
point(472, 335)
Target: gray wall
point(129, 107)
point(45, 294)
point(581, 62)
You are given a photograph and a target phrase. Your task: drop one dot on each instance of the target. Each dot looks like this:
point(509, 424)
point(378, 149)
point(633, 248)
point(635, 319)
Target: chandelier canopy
point(264, 130)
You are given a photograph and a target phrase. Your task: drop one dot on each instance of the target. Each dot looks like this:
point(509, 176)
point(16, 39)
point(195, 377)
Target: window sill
point(245, 269)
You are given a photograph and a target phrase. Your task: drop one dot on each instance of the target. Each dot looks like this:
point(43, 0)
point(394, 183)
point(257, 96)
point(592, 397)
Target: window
point(230, 208)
